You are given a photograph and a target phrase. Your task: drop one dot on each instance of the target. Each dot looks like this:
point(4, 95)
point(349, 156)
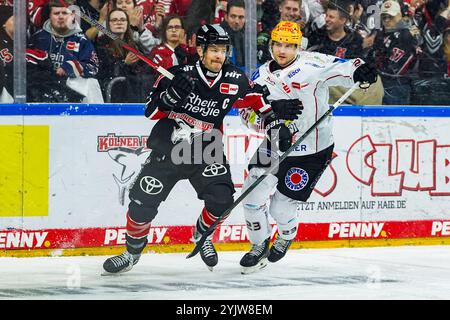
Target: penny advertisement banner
point(73, 173)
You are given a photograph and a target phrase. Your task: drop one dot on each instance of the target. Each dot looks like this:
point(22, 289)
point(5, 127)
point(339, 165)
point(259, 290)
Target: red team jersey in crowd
point(35, 8)
point(180, 7)
point(164, 56)
point(149, 12)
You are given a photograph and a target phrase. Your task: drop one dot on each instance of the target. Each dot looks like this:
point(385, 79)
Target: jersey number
point(253, 226)
point(397, 54)
point(6, 55)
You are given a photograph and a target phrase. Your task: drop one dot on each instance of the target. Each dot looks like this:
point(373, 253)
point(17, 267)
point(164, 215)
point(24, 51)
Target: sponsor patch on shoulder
point(339, 60)
point(229, 88)
point(255, 75)
point(293, 73)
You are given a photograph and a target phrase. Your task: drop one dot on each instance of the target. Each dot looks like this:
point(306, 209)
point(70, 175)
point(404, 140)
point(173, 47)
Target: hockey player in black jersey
point(186, 143)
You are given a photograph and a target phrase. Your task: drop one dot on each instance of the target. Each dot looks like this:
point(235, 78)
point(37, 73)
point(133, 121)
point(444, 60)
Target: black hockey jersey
point(432, 63)
point(348, 47)
point(202, 113)
point(395, 52)
point(7, 57)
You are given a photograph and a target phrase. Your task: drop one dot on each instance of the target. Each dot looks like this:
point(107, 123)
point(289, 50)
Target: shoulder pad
point(316, 57)
point(339, 60)
point(255, 75)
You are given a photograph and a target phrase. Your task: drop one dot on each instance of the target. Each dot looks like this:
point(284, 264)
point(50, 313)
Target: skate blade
point(210, 268)
point(109, 274)
point(112, 274)
point(261, 265)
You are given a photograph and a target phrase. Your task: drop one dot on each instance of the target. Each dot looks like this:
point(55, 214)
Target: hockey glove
point(180, 88)
point(287, 109)
point(366, 75)
point(276, 131)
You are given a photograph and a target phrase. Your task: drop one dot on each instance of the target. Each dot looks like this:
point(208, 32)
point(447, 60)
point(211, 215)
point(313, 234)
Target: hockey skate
point(279, 249)
point(256, 258)
point(207, 252)
point(120, 264)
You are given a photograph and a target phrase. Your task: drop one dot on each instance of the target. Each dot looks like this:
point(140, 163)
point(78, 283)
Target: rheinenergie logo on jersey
point(205, 107)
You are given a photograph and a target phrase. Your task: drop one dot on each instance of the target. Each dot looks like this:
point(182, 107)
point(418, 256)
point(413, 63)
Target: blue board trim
point(138, 110)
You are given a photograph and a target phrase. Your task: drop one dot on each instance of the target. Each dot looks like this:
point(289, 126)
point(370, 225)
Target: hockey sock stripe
point(137, 230)
point(207, 218)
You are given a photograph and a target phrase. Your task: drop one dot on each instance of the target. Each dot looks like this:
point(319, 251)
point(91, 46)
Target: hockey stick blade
point(244, 194)
point(114, 37)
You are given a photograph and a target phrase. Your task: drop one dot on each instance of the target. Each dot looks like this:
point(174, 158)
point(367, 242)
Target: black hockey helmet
point(212, 34)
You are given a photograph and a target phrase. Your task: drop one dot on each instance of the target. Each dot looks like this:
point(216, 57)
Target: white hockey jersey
point(307, 79)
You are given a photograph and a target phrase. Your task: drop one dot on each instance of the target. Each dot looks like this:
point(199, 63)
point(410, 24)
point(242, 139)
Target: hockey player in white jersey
point(291, 76)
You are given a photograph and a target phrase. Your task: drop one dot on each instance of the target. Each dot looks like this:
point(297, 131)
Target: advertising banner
point(65, 173)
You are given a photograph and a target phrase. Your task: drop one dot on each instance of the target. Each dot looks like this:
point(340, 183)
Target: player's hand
point(277, 132)
point(180, 88)
point(287, 109)
point(366, 75)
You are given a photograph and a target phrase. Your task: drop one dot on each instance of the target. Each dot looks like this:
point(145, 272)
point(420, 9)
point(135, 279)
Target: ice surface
point(347, 273)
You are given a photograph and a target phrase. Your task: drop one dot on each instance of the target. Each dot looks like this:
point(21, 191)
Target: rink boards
point(65, 171)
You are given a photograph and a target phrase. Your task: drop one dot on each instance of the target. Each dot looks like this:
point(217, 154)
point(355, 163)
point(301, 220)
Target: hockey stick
point(244, 194)
point(113, 36)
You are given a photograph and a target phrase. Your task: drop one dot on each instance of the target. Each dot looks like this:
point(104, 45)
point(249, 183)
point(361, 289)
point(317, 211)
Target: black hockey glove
point(276, 131)
point(287, 109)
point(366, 75)
point(180, 88)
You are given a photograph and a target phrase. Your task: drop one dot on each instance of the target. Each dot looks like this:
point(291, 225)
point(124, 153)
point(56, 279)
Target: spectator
point(431, 21)
point(5, 97)
point(38, 12)
point(92, 9)
point(289, 10)
point(180, 7)
point(335, 38)
point(173, 50)
point(447, 48)
point(234, 25)
point(92, 33)
point(7, 49)
point(142, 13)
point(119, 69)
point(366, 21)
point(434, 91)
point(142, 21)
point(395, 50)
point(166, 5)
point(270, 12)
point(194, 13)
point(221, 11)
point(73, 58)
point(142, 35)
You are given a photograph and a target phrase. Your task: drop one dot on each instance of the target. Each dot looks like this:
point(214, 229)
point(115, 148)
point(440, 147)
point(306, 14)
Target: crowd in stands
point(70, 60)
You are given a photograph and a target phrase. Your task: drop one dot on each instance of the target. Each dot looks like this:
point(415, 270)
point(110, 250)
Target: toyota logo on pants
point(214, 169)
point(151, 185)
